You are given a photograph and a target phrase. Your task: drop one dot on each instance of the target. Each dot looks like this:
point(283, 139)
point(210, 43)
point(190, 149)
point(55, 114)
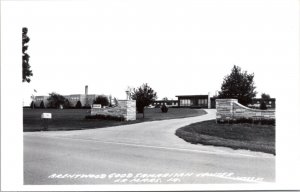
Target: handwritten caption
point(156, 178)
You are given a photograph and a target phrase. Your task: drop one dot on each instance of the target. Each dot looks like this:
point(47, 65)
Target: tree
point(265, 96)
point(78, 105)
point(116, 103)
point(263, 105)
point(101, 99)
point(110, 98)
point(68, 104)
point(56, 100)
point(238, 85)
point(164, 108)
point(25, 57)
point(144, 96)
point(42, 105)
point(32, 105)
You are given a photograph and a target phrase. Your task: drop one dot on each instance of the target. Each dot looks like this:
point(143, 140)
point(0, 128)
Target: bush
point(101, 99)
point(164, 108)
point(247, 120)
point(32, 105)
point(78, 105)
point(67, 104)
point(263, 106)
point(105, 117)
point(42, 105)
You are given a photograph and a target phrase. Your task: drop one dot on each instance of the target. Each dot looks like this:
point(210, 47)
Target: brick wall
point(125, 108)
point(231, 109)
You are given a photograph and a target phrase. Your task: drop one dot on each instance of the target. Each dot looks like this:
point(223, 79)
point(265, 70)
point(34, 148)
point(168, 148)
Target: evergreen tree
point(238, 85)
point(42, 105)
point(32, 105)
point(78, 105)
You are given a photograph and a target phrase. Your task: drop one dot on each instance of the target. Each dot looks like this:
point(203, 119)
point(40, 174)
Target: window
point(185, 102)
point(202, 101)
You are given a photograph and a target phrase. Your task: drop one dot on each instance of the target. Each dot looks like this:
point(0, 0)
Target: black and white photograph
point(150, 95)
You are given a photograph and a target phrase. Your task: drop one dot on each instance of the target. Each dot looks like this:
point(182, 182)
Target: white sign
point(46, 116)
point(96, 106)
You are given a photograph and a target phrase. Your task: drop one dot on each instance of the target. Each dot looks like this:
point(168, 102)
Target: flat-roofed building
point(85, 99)
point(40, 99)
point(194, 101)
point(169, 103)
point(270, 103)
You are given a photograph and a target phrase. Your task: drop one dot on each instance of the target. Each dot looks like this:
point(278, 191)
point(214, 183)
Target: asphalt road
point(143, 153)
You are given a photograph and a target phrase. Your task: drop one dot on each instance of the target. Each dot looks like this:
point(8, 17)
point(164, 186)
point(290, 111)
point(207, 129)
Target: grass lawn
point(74, 119)
point(237, 136)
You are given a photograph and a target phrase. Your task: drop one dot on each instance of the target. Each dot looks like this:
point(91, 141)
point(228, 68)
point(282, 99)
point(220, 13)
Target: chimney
point(86, 90)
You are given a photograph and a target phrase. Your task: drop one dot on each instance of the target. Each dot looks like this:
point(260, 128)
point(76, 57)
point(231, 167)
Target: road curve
point(149, 147)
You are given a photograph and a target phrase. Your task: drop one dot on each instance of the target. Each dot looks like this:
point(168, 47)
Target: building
point(85, 99)
point(169, 103)
point(40, 99)
point(194, 101)
point(270, 103)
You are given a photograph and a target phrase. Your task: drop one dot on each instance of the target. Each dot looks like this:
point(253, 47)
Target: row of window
point(166, 103)
point(191, 102)
point(270, 102)
point(74, 98)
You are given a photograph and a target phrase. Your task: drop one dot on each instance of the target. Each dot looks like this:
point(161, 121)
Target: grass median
point(74, 119)
point(253, 137)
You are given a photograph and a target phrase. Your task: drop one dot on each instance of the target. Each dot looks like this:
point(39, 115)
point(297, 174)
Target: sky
point(177, 47)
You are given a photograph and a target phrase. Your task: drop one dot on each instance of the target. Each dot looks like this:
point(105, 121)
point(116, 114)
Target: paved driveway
point(150, 147)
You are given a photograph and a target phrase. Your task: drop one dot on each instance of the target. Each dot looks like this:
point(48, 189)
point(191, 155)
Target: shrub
point(68, 104)
point(42, 105)
point(101, 99)
point(78, 105)
point(263, 105)
point(105, 117)
point(247, 120)
point(164, 108)
point(32, 105)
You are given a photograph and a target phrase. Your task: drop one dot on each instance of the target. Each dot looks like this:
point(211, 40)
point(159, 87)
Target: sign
point(96, 106)
point(46, 116)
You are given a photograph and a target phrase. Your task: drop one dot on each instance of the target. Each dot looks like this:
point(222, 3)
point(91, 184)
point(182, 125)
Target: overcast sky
point(177, 47)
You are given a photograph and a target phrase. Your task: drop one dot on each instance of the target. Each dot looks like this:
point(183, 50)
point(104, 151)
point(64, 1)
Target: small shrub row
point(105, 117)
point(248, 120)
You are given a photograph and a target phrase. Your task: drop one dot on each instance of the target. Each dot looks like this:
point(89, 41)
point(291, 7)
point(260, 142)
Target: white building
point(85, 99)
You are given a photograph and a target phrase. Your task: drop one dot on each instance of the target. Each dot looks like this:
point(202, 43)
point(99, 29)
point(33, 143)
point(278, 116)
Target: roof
point(191, 96)
point(165, 100)
point(273, 99)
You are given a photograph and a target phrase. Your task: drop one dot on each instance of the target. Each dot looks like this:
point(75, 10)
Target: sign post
point(45, 118)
